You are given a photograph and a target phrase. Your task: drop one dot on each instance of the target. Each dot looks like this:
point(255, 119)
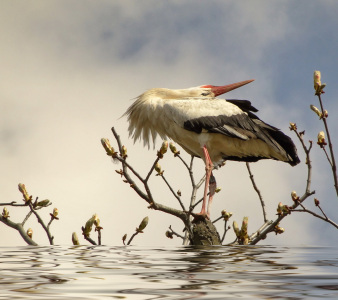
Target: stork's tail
point(287, 144)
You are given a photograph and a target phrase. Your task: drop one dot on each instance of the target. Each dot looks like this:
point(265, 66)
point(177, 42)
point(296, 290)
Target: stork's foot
point(200, 216)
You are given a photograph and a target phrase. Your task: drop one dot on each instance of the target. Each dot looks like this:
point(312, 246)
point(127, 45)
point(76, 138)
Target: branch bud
point(317, 84)
point(142, 225)
point(169, 234)
point(75, 239)
point(97, 224)
point(325, 114)
point(279, 208)
point(43, 203)
point(244, 229)
point(282, 209)
point(89, 225)
point(5, 213)
point(179, 193)
point(293, 126)
point(124, 239)
point(124, 152)
point(22, 189)
point(316, 79)
point(294, 196)
point(278, 230)
point(226, 215)
point(30, 232)
point(163, 149)
point(55, 212)
point(173, 149)
point(158, 169)
point(321, 139)
point(109, 149)
point(236, 229)
point(316, 202)
point(317, 111)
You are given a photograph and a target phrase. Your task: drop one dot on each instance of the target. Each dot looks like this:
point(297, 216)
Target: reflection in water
point(100, 272)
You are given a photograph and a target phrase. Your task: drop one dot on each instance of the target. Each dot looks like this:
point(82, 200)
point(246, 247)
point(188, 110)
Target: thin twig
point(147, 196)
point(151, 169)
point(323, 212)
point(132, 237)
point(175, 233)
point(317, 216)
point(50, 222)
point(226, 229)
point(99, 236)
point(183, 161)
point(173, 192)
point(219, 218)
point(333, 164)
point(26, 218)
point(271, 225)
point(50, 237)
point(13, 203)
point(257, 191)
point(327, 156)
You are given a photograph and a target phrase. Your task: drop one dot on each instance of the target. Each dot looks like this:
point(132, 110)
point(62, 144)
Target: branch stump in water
point(204, 233)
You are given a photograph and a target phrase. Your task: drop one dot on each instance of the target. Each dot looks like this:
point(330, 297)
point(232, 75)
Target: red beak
point(219, 90)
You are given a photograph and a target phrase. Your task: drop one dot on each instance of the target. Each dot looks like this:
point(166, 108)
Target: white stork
point(207, 127)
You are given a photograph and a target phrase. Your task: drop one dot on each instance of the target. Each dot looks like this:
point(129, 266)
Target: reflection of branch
point(257, 191)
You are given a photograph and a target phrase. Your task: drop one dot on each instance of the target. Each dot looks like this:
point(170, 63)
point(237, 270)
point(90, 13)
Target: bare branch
point(26, 218)
point(19, 228)
point(326, 219)
point(257, 191)
point(175, 233)
point(50, 237)
point(173, 192)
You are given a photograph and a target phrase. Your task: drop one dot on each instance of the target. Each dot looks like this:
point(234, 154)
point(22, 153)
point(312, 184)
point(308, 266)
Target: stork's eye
point(205, 93)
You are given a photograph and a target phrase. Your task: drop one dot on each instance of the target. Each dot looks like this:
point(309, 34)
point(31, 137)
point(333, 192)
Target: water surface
point(130, 272)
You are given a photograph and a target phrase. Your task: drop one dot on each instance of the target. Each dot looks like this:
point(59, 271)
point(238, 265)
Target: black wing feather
point(245, 126)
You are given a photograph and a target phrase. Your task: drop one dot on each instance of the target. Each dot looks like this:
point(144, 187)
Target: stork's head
point(214, 91)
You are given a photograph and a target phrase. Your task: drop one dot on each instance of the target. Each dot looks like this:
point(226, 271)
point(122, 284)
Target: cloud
point(70, 71)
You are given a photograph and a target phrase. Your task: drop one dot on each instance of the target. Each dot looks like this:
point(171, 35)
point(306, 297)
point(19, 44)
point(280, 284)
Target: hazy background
point(70, 69)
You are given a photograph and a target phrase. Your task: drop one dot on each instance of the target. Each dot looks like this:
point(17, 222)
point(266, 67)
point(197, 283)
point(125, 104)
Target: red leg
point(212, 189)
point(208, 169)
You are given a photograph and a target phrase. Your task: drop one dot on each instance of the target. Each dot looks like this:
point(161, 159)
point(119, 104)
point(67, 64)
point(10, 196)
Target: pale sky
point(70, 69)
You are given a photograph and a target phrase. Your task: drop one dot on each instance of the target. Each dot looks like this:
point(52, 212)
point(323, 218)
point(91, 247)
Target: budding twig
point(50, 237)
point(148, 195)
point(174, 193)
point(175, 233)
point(332, 161)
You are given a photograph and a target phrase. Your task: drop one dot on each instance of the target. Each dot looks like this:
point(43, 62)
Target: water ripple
point(102, 272)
